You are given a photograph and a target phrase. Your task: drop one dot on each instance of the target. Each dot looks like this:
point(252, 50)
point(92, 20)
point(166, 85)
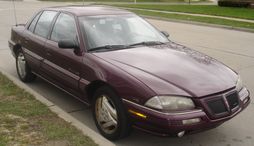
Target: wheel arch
point(95, 85)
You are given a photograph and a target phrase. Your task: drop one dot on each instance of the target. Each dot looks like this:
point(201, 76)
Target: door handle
point(48, 54)
point(26, 40)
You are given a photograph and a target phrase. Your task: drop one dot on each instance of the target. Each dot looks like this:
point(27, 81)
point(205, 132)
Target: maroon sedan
point(130, 73)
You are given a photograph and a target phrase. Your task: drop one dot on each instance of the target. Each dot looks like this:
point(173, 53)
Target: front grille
point(222, 105)
point(232, 100)
point(217, 106)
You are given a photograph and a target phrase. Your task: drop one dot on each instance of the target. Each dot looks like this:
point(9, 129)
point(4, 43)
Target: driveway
point(234, 48)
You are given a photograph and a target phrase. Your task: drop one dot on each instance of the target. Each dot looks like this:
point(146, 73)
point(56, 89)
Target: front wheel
point(109, 114)
point(24, 71)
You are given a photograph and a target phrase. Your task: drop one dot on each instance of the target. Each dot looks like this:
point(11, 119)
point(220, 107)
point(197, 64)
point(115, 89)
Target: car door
point(63, 65)
point(35, 37)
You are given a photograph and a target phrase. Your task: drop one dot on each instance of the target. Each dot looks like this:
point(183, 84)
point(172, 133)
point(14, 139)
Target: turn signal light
point(138, 114)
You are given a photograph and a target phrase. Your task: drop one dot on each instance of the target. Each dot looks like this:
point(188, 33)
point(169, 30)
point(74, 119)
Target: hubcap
point(106, 114)
point(21, 65)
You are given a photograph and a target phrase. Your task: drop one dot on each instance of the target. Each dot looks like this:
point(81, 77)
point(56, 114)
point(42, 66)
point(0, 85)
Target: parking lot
point(234, 48)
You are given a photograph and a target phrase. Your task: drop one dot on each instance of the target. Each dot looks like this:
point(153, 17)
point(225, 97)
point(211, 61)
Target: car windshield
point(105, 31)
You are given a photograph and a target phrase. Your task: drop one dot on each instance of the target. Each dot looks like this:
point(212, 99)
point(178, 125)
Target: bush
point(236, 3)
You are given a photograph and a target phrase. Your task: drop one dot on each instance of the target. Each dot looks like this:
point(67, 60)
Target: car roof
point(90, 10)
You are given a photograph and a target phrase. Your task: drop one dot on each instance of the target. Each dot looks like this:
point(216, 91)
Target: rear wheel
point(24, 71)
point(109, 114)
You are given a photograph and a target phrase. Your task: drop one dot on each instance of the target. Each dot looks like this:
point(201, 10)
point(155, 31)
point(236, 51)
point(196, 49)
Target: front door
point(63, 66)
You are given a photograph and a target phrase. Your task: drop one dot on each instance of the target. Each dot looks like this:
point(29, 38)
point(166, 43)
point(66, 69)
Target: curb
point(97, 138)
point(200, 23)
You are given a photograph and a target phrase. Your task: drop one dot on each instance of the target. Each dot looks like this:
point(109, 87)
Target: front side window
point(64, 29)
point(43, 24)
point(33, 23)
point(118, 30)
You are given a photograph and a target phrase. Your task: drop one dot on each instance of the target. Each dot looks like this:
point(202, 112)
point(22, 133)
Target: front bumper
point(11, 46)
point(165, 124)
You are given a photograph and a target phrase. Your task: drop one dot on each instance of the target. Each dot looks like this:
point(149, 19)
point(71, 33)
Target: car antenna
point(14, 10)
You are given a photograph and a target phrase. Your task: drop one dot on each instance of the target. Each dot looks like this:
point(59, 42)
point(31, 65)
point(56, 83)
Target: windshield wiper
point(118, 47)
point(147, 43)
point(109, 48)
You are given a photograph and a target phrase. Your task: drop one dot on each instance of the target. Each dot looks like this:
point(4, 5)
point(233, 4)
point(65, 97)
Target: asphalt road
point(234, 48)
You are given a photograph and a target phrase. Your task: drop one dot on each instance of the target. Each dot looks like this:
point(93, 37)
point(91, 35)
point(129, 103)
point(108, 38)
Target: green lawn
point(198, 9)
point(197, 19)
point(26, 121)
point(125, 0)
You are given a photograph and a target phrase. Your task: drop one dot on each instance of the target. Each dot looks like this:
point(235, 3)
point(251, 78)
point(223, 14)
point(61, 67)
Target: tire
point(120, 125)
point(23, 70)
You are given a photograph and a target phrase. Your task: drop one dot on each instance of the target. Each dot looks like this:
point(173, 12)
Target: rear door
point(35, 38)
point(63, 65)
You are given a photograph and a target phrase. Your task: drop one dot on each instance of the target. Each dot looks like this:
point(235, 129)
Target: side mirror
point(165, 33)
point(68, 44)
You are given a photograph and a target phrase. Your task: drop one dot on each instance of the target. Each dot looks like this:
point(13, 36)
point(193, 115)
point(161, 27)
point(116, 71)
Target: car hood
point(172, 69)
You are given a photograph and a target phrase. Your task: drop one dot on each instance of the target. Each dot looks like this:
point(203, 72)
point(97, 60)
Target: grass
point(26, 121)
point(243, 13)
point(217, 21)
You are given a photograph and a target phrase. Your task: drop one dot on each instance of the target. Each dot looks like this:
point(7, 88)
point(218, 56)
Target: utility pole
point(135, 1)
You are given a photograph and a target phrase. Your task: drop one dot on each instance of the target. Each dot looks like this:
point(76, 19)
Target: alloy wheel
point(106, 114)
point(21, 62)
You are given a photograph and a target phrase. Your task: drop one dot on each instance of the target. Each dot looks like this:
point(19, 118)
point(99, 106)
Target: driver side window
point(64, 29)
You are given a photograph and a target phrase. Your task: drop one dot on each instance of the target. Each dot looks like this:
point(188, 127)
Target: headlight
point(239, 84)
point(170, 103)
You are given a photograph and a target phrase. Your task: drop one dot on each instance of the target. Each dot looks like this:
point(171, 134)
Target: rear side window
point(65, 28)
point(33, 23)
point(43, 24)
